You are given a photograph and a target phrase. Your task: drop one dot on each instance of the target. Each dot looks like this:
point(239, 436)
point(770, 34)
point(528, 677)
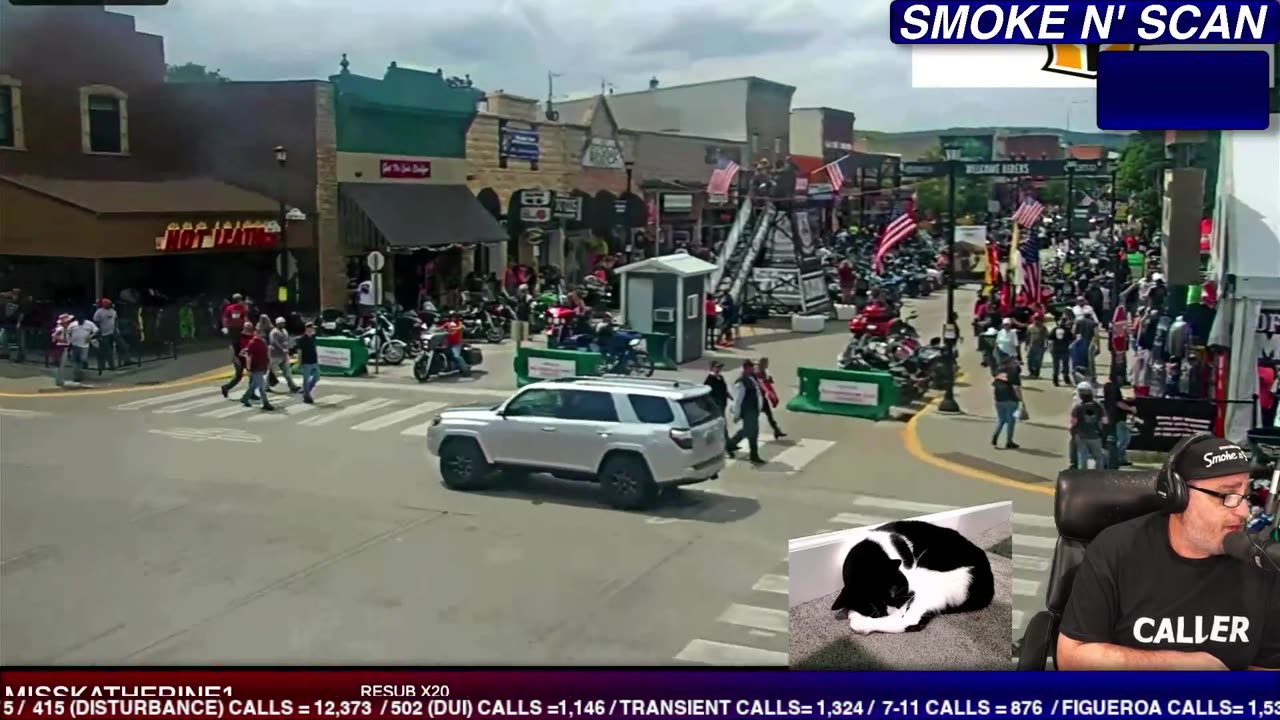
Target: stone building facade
point(513, 151)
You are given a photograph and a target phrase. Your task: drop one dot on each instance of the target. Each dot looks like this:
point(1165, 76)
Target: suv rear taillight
point(682, 438)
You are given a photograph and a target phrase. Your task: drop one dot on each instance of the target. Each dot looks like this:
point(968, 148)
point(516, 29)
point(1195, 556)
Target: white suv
point(633, 436)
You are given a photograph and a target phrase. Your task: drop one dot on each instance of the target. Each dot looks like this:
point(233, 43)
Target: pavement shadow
point(684, 503)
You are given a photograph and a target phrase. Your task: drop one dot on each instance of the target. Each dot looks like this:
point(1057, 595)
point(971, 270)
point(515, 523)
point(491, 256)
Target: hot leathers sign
point(229, 234)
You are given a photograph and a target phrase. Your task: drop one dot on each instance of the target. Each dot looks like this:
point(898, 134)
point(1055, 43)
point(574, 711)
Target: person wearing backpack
point(1087, 421)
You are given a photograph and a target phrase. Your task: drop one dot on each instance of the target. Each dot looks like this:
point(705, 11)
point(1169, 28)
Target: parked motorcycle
point(436, 360)
point(621, 350)
point(380, 340)
point(478, 324)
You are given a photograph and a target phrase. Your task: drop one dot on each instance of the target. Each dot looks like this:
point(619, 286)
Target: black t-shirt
point(1088, 416)
point(1004, 391)
point(1061, 337)
point(1133, 590)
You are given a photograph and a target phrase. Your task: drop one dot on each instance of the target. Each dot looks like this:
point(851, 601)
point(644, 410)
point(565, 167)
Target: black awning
point(411, 216)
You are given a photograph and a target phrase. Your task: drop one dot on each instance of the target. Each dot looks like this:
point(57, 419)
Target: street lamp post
point(950, 332)
point(282, 159)
point(630, 165)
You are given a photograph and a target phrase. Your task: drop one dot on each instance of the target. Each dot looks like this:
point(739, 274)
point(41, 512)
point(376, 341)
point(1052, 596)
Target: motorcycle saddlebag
point(473, 355)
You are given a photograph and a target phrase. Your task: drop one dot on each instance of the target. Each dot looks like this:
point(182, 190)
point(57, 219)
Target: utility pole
point(551, 113)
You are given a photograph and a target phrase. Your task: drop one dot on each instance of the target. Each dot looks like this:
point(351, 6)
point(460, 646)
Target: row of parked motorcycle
point(395, 335)
point(881, 339)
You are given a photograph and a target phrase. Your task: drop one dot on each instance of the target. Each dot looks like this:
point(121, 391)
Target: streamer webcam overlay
point(1160, 592)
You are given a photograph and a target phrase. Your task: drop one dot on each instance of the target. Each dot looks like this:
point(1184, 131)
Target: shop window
point(11, 135)
point(777, 147)
point(104, 120)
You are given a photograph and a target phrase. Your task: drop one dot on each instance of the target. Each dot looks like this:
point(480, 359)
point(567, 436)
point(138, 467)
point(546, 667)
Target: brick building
point(104, 179)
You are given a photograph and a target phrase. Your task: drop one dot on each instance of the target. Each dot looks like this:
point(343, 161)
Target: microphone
point(1255, 550)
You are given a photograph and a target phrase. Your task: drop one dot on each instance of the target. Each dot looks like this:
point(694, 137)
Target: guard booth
point(663, 296)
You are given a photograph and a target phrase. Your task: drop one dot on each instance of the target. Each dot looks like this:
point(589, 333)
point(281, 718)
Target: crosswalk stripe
point(910, 506)
point(398, 416)
point(913, 506)
point(162, 399)
point(707, 652)
point(429, 388)
point(299, 408)
point(1040, 521)
point(1030, 563)
point(759, 618)
point(1034, 541)
point(346, 412)
point(238, 409)
point(191, 405)
point(418, 430)
point(1026, 588)
point(803, 452)
point(860, 520)
point(773, 584)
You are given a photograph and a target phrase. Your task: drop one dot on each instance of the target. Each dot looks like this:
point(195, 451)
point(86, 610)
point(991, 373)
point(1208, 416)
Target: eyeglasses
point(1230, 500)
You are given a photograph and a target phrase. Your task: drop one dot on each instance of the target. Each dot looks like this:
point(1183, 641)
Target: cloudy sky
point(836, 54)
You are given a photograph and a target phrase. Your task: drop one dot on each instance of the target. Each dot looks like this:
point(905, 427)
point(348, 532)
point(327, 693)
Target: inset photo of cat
point(929, 593)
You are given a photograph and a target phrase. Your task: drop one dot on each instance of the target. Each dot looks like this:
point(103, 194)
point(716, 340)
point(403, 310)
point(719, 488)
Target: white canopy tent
point(1246, 253)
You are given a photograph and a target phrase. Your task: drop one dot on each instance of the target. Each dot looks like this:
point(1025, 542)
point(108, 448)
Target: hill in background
point(914, 145)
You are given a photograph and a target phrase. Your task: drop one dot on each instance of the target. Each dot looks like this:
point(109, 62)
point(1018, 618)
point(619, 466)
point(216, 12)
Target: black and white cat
point(906, 572)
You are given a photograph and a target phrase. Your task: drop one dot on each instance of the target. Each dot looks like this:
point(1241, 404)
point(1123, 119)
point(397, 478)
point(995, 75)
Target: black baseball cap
point(1212, 458)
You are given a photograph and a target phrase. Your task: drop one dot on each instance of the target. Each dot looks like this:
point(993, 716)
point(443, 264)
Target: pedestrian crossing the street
point(753, 629)
point(408, 414)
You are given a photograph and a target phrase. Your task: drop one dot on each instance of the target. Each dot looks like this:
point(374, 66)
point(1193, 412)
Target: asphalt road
point(170, 526)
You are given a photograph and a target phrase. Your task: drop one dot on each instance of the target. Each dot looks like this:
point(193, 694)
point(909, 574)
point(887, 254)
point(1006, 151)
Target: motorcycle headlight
point(635, 342)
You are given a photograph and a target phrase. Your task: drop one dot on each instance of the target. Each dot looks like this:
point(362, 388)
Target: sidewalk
point(34, 377)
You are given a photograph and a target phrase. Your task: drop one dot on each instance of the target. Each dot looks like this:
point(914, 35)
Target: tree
point(972, 195)
point(1139, 175)
point(192, 73)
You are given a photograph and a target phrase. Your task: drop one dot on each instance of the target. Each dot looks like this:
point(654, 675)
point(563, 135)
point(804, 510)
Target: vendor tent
point(1246, 253)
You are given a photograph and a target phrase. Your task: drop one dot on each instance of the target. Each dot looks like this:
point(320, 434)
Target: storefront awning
point(411, 216)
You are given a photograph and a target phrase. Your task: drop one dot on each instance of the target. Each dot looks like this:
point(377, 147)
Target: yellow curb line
point(911, 441)
point(184, 382)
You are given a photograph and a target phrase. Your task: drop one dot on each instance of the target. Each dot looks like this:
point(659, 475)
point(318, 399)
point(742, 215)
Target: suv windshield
point(700, 410)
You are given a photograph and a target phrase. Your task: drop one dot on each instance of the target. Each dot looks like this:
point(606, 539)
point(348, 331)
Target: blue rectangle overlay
point(1184, 90)
point(1009, 22)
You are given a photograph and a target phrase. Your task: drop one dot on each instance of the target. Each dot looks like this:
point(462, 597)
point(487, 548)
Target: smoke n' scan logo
point(1080, 60)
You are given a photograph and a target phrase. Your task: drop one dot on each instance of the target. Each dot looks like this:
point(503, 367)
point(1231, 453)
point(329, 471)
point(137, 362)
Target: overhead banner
point(1033, 168)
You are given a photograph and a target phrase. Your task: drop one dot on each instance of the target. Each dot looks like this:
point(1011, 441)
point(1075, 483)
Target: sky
point(835, 54)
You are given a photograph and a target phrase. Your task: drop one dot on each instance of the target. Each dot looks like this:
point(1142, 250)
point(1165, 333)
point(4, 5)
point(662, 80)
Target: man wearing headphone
point(1157, 592)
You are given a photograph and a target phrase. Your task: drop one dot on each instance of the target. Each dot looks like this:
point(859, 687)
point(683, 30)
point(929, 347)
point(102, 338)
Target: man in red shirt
point(454, 327)
point(258, 361)
point(239, 341)
point(233, 316)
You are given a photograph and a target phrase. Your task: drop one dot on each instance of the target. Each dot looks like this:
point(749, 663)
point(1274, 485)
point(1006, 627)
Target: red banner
point(202, 236)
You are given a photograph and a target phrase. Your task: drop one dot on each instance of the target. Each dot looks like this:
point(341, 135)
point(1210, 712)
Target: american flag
point(1029, 214)
point(722, 177)
point(903, 227)
point(1029, 257)
point(836, 173)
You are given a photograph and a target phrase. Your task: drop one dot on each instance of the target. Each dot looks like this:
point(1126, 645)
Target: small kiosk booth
point(664, 296)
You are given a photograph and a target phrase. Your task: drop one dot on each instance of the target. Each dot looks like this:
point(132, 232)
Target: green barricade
point(845, 392)
point(660, 347)
point(535, 364)
point(341, 355)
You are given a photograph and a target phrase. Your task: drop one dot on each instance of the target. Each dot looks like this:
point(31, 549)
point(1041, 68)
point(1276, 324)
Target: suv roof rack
point(657, 384)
